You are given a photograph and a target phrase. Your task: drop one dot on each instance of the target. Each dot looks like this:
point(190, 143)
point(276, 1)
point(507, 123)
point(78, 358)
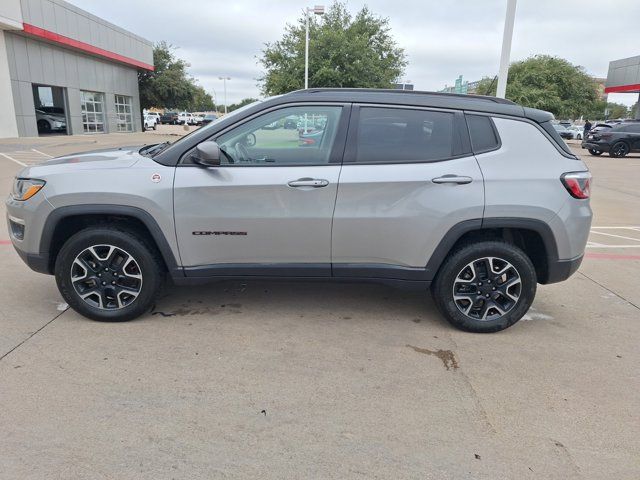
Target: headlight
point(25, 188)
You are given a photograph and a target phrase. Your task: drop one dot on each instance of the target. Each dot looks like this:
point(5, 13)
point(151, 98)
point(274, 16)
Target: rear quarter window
point(484, 136)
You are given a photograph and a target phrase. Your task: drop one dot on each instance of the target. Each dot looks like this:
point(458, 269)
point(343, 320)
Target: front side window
point(92, 108)
point(288, 136)
point(124, 116)
point(396, 135)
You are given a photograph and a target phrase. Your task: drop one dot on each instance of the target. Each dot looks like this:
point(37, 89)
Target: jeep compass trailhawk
point(477, 197)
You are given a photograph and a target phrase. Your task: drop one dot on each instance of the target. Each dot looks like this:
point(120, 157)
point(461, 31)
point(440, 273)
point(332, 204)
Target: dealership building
point(624, 77)
point(66, 71)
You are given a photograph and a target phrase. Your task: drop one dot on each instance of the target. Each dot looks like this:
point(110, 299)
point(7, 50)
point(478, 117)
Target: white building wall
point(8, 120)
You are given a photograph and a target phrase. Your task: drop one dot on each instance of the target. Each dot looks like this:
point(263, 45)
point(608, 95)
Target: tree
point(345, 51)
point(241, 103)
point(169, 85)
point(633, 111)
point(549, 83)
point(201, 101)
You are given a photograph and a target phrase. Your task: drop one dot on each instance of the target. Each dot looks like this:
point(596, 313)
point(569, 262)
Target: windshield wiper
point(159, 148)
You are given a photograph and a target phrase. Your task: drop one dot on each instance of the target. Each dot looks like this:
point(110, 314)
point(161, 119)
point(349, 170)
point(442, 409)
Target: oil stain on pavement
point(447, 357)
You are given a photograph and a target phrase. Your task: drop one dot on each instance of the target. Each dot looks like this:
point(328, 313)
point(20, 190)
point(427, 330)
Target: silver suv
point(476, 197)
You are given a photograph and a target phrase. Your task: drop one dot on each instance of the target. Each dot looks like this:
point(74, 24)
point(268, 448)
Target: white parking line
point(41, 153)
point(630, 229)
point(13, 159)
point(616, 236)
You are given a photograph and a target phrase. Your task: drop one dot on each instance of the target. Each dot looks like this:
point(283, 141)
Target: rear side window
point(397, 135)
point(631, 128)
point(484, 136)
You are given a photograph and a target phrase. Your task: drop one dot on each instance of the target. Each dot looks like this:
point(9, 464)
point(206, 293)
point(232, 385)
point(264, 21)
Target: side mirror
point(207, 154)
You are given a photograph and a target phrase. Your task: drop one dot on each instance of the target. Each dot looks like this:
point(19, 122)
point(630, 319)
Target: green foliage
point(552, 84)
point(633, 113)
point(487, 86)
point(241, 103)
point(169, 85)
point(344, 51)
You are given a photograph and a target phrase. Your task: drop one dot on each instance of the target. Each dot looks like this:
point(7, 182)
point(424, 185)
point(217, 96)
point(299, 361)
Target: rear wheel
point(619, 149)
point(485, 287)
point(595, 152)
point(108, 274)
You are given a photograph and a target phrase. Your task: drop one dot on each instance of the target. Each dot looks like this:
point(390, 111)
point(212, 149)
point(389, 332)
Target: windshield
point(209, 125)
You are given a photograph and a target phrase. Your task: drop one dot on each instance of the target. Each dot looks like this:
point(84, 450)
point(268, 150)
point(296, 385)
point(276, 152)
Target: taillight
point(578, 184)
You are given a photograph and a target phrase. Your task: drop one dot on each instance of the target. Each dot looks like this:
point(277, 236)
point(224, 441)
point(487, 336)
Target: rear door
point(408, 177)
point(267, 209)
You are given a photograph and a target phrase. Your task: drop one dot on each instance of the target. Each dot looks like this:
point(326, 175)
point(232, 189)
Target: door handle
point(308, 182)
point(458, 180)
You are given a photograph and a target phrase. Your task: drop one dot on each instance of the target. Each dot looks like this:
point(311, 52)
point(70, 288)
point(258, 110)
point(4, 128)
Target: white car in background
point(149, 122)
point(155, 116)
point(577, 131)
point(186, 118)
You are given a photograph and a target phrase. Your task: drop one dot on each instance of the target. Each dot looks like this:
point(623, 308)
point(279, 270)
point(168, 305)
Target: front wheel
point(108, 274)
point(485, 287)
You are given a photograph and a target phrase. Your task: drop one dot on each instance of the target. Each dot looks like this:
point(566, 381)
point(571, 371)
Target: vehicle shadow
point(319, 299)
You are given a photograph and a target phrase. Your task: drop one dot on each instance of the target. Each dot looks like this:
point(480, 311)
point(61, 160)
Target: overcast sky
point(442, 38)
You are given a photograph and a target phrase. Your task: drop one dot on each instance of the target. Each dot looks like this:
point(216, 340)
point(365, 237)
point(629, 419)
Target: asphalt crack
point(609, 290)
point(33, 334)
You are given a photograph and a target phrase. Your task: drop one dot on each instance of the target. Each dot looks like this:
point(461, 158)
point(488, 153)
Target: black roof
point(477, 103)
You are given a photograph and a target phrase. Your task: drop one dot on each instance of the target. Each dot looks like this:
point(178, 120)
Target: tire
point(595, 152)
point(44, 126)
point(579, 137)
point(619, 150)
point(483, 316)
point(79, 257)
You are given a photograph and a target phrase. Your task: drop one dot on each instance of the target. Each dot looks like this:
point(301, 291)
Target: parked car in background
point(169, 118)
point(397, 203)
point(565, 123)
point(563, 131)
point(50, 122)
point(290, 123)
point(619, 140)
point(577, 131)
point(186, 118)
point(197, 118)
point(155, 116)
point(150, 122)
point(209, 118)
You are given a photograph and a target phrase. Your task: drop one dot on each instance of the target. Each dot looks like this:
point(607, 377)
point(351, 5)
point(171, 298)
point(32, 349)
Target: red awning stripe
point(623, 88)
point(85, 47)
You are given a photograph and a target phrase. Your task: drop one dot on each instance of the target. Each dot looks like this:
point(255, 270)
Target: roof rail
point(408, 92)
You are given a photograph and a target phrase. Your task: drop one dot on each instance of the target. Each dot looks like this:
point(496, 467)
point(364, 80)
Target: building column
point(8, 119)
point(638, 108)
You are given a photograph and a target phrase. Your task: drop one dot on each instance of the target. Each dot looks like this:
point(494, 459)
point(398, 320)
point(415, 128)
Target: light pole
point(317, 10)
point(506, 49)
point(224, 79)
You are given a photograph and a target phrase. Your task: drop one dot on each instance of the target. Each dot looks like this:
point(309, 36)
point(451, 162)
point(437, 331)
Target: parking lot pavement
point(318, 380)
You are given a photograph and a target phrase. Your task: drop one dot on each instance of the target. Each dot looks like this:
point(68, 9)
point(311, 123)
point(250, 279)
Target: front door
point(407, 178)
point(267, 209)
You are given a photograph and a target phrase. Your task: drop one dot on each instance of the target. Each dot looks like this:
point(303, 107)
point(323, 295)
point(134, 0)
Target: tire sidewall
point(143, 255)
point(443, 285)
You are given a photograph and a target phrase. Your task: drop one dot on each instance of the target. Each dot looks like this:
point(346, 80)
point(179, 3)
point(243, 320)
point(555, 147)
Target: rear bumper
point(603, 147)
point(560, 270)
